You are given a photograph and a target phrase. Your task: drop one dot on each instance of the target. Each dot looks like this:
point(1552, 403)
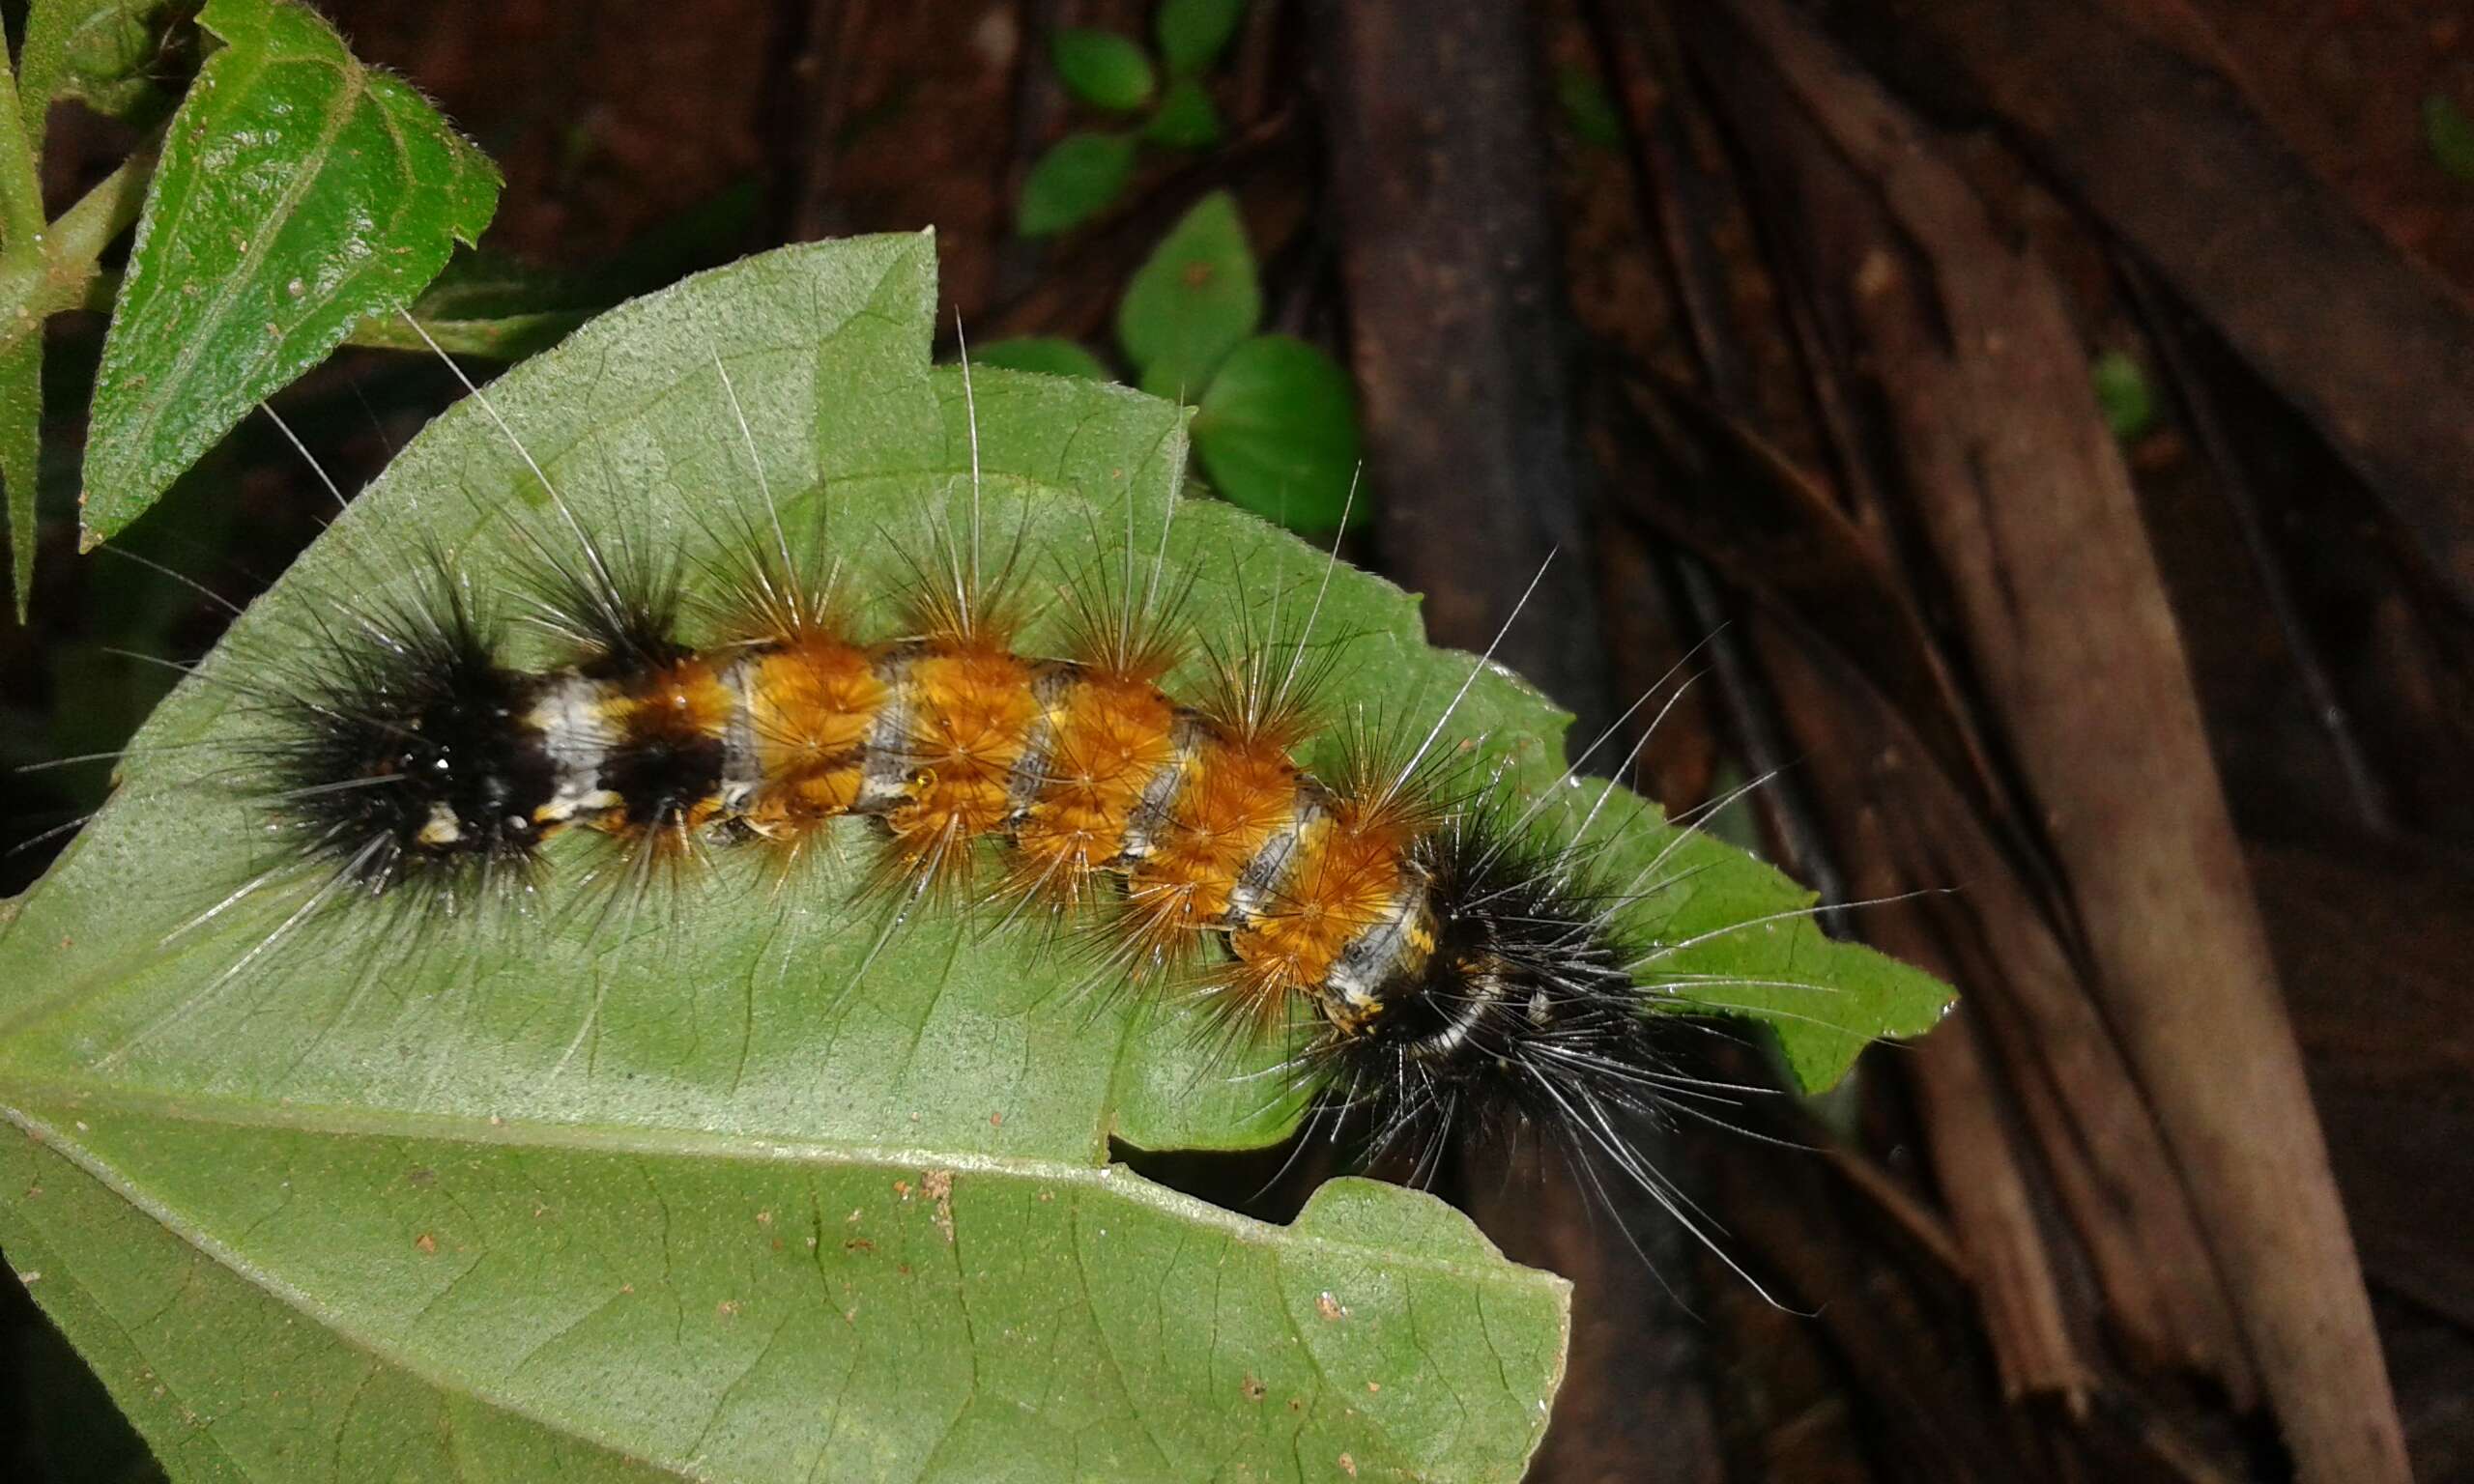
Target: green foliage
point(296, 194)
point(2450, 135)
point(97, 51)
point(21, 454)
point(299, 193)
point(2122, 394)
point(1103, 68)
point(1192, 300)
point(1187, 118)
point(676, 1190)
point(1193, 33)
point(1081, 176)
point(1047, 355)
point(1084, 174)
point(1276, 433)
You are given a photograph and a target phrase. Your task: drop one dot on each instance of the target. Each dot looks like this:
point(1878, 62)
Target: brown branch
point(2200, 400)
point(1437, 151)
point(1991, 1207)
point(2030, 514)
point(1890, 752)
point(2125, 103)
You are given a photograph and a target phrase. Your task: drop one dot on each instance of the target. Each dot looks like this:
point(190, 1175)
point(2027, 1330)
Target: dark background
point(1778, 320)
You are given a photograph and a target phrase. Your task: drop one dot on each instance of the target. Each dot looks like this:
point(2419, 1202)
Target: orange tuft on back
point(1238, 792)
point(1112, 735)
point(811, 704)
point(1342, 880)
point(973, 710)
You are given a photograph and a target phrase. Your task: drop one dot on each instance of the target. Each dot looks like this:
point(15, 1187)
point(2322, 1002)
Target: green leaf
point(1047, 355)
point(299, 193)
point(1588, 109)
point(1193, 33)
point(2122, 394)
point(483, 304)
point(1103, 68)
point(1081, 176)
point(1187, 120)
point(675, 1193)
point(22, 265)
point(97, 51)
point(1277, 434)
point(20, 456)
point(2450, 134)
point(680, 1191)
point(1192, 300)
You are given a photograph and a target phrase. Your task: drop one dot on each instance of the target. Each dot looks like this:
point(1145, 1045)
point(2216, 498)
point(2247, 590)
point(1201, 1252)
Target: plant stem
point(507, 337)
point(20, 191)
point(37, 285)
point(502, 338)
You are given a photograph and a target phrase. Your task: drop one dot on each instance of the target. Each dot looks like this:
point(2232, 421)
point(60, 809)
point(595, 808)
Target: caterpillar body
point(1439, 958)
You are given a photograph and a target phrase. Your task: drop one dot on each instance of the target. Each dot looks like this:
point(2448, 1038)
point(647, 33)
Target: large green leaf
point(671, 1190)
point(299, 192)
point(668, 1191)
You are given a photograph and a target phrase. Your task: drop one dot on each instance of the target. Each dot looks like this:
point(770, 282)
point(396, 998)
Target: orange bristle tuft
point(812, 701)
point(1110, 735)
point(972, 710)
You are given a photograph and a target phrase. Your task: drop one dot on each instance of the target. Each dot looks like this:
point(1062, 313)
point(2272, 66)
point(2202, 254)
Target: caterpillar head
point(1522, 1013)
point(404, 754)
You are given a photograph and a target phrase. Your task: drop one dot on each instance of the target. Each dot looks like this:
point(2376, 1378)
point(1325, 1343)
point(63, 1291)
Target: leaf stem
point(36, 286)
point(506, 338)
point(20, 191)
point(495, 337)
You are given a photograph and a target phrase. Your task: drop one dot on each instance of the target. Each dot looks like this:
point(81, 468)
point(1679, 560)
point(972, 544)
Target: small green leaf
point(1103, 68)
point(1081, 176)
point(1192, 32)
point(299, 193)
point(20, 454)
point(97, 51)
point(1276, 433)
point(1588, 108)
point(2450, 134)
point(1047, 355)
point(1187, 120)
point(2122, 394)
point(1192, 300)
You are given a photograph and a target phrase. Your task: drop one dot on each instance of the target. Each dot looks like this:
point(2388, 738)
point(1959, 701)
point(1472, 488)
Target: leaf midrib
point(348, 1121)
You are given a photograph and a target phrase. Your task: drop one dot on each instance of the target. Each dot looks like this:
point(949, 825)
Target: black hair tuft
point(403, 757)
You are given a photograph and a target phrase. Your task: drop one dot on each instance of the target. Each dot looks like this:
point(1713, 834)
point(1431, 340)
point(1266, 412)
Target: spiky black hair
point(401, 756)
point(1524, 1018)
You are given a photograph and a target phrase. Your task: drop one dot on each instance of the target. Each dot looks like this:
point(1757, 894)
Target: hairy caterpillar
point(1444, 964)
point(1473, 942)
